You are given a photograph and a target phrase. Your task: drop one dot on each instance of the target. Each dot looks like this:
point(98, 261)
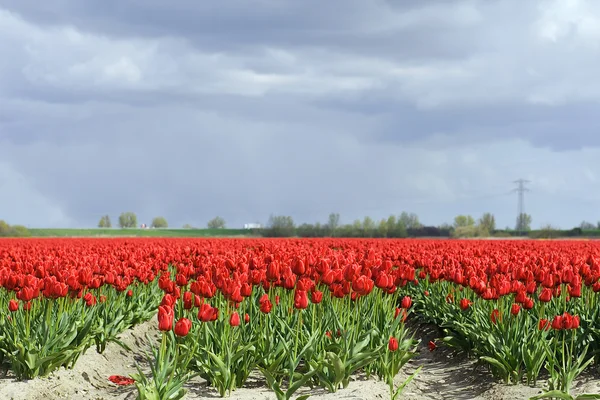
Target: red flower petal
point(121, 380)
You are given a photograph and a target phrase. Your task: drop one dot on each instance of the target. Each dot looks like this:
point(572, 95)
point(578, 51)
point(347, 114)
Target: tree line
point(7, 230)
point(129, 220)
point(404, 225)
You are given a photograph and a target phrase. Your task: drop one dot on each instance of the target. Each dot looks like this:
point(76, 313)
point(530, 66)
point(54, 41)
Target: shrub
point(159, 222)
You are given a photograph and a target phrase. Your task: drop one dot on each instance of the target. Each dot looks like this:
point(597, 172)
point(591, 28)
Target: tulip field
point(302, 313)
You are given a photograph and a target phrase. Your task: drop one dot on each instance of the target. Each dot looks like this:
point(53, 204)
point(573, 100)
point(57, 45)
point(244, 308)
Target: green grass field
point(116, 232)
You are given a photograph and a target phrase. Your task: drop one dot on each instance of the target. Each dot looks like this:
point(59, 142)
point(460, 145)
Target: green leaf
point(296, 385)
point(552, 394)
point(338, 367)
point(495, 363)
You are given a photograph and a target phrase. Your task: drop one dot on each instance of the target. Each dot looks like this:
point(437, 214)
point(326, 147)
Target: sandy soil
point(445, 375)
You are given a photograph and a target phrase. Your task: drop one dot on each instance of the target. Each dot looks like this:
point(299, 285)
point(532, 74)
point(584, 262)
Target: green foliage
point(94, 232)
point(19, 231)
point(404, 226)
point(333, 223)
point(127, 220)
point(409, 221)
point(159, 222)
point(523, 223)
point(216, 223)
point(312, 231)
point(280, 226)
point(465, 232)
point(168, 371)
point(461, 221)
point(104, 222)
point(546, 232)
point(4, 228)
point(487, 223)
point(382, 229)
point(587, 226)
point(368, 227)
point(7, 230)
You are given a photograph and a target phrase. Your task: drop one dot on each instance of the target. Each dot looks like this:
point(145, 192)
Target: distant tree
point(4, 228)
point(587, 226)
point(461, 221)
point(401, 229)
point(382, 229)
point(523, 223)
point(127, 220)
point(306, 230)
point(548, 232)
point(320, 230)
point(464, 231)
point(410, 221)
point(356, 230)
point(104, 222)
point(391, 226)
point(13, 230)
point(368, 227)
point(188, 226)
point(280, 226)
point(19, 231)
point(216, 223)
point(487, 222)
point(333, 223)
point(159, 222)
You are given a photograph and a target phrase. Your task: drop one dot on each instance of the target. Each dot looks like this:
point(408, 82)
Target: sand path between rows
point(445, 375)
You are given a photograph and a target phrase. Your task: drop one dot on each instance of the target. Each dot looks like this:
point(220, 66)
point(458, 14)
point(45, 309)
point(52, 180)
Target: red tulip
point(182, 327)
point(393, 344)
point(514, 310)
point(432, 346)
point(465, 303)
point(316, 297)
point(165, 318)
point(495, 316)
point(300, 299)
point(234, 319)
point(266, 306)
point(545, 295)
point(121, 380)
point(13, 305)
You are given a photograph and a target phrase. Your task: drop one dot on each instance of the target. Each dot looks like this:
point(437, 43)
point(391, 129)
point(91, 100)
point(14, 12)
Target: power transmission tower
point(521, 189)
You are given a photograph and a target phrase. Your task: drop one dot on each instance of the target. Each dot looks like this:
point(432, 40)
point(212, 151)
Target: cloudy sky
point(192, 109)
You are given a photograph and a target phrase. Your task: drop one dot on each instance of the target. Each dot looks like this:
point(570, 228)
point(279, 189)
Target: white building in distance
point(252, 226)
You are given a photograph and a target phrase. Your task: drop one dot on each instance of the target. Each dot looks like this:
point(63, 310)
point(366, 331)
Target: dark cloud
point(241, 109)
point(404, 30)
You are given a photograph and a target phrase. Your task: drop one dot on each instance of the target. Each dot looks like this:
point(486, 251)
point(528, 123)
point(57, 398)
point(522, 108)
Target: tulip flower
point(13, 305)
point(234, 319)
point(165, 318)
point(182, 327)
point(393, 344)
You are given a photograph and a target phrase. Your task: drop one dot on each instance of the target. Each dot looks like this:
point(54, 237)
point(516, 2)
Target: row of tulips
point(294, 337)
point(38, 336)
point(306, 312)
point(60, 298)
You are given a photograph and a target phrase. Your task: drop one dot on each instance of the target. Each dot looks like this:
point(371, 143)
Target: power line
point(521, 189)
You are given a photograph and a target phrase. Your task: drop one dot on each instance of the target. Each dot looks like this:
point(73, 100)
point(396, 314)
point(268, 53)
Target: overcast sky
point(192, 109)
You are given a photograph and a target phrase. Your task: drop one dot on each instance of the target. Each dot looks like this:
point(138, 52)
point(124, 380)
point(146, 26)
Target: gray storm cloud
point(246, 109)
